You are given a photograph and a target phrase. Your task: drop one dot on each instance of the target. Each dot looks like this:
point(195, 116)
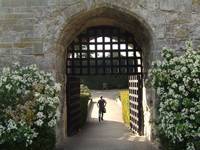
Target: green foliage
point(28, 107)
point(46, 140)
point(124, 96)
point(177, 82)
point(85, 96)
point(85, 90)
point(112, 81)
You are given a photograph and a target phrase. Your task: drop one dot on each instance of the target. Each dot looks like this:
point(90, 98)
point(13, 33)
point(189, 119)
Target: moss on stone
point(182, 33)
point(5, 45)
point(22, 45)
point(180, 21)
point(195, 2)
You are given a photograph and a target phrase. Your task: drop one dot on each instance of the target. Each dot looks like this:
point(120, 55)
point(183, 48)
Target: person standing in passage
point(102, 108)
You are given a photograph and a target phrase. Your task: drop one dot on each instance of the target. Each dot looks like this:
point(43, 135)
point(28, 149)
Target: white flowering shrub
point(28, 107)
point(177, 82)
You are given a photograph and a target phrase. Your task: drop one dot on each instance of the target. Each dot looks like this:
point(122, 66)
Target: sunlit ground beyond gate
point(111, 134)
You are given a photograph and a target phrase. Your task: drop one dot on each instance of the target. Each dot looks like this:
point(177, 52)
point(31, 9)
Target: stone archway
point(104, 50)
point(105, 15)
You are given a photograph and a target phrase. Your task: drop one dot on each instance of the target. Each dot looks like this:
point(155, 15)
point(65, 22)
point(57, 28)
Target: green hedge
point(84, 108)
point(85, 96)
point(124, 97)
point(112, 81)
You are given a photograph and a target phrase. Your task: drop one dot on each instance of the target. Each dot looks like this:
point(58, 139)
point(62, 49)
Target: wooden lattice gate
point(136, 108)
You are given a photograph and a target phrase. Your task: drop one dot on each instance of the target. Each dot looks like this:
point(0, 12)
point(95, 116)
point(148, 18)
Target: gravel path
point(110, 134)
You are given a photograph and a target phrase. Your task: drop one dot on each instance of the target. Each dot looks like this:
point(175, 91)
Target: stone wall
point(38, 31)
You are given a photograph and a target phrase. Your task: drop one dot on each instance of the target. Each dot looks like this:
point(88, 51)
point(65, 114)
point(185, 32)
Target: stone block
point(153, 4)
point(156, 18)
point(20, 51)
point(38, 48)
point(182, 33)
point(195, 18)
point(18, 16)
point(6, 45)
point(26, 59)
point(6, 61)
point(160, 31)
point(37, 3)
point(13, 3)
point(8, 36)
point(5, 51)
point(196, 44)
point(21, 28)
point(31, 39)
point(168, 5)
point(196, 2)
point(176, 5)
point(196, 33)
point(196, 5)
point(28, 48)
point(184, 6)
point(180, 21)
point(22, 45)
point(8, 22)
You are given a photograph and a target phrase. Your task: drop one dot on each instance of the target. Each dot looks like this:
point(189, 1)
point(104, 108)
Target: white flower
point(22, 123)
point(192, 117)
point(19, 91)
point(190, 146)
point(168, 55)
point(11, 125)
point(171, 92)
point(192, 110)
point(26, 92)
point(37, 94)
point(58, 87)
point(35, 134)
point(39, 122)
point(158, 91)
point(41, 99)
point(174, 85)
point(184, 69)
point(16, 77)
point(158, 63)
point(41, 107)
point(182, 88)
point(52, 123)
point(8, 87)
point(40, 115)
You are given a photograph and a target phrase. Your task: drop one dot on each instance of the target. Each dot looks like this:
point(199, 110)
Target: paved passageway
point(110, 134)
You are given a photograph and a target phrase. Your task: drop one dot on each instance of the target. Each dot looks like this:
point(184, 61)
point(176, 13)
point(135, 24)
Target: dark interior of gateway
point(104, 51)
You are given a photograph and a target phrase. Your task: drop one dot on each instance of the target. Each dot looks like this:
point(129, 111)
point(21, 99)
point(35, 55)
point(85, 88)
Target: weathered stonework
point(38, 31)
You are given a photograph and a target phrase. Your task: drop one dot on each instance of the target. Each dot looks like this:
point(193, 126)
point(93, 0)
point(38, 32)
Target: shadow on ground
point(107, 135)
point(110, 134)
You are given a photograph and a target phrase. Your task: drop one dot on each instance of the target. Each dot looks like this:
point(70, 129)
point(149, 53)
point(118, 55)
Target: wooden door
point(73, 105)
